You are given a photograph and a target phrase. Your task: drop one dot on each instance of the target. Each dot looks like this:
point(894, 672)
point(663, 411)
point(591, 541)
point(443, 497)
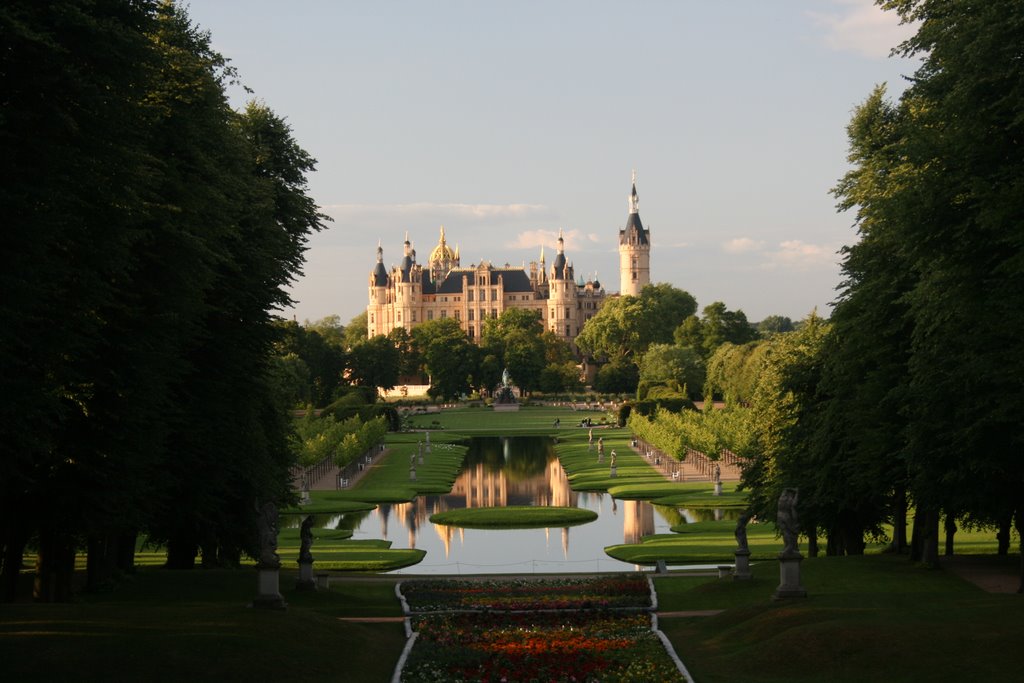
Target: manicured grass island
point(514, 517)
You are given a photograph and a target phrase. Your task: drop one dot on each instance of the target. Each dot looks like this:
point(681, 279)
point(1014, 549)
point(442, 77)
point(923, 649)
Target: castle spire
point(634, 200)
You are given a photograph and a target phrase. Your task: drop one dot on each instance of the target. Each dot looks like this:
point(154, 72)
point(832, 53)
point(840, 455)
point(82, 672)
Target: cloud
point(738, 245)
point(797, 254)
point(476, 212)
point(861, 27)
point(534, 239)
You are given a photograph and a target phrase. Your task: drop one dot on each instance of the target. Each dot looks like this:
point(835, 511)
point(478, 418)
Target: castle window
point(471, 314)
point(414, 316)
point(566, 330)
point(469, 295)
point(566, 311)
point(371, 317)
point(494, 295)
point(634, 275)
point(399, 317)
point(494, 312)
point(458, 315)
point(552, 314)
point(470, 331)
point(430, 315)
point(444, 313)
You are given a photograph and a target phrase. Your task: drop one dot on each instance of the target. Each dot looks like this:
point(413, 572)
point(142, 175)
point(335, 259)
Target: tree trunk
point(899, 524)
point(812, 541)
point(950, 533)
point(1003, 535)
point(181, 553)
point(924, 545)
point(124, 558)
point(14, 549)
point(1019, 523)
point(55, 568)
point(99, 561)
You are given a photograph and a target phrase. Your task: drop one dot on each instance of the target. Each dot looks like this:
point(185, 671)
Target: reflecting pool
point(500, 471)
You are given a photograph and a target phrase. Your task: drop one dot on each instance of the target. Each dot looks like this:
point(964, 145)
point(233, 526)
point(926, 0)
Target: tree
point(449, 356)
point(716, 326)
point(627, 325)
point(375, 362)
point(330, 329)
point(668, 363)
point(356, 330)
point(516, 339)
point(774, 324)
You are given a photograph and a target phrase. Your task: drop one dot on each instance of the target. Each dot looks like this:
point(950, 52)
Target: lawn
point(866, 618)
point(514, 517)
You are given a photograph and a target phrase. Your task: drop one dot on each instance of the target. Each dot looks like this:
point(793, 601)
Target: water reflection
point(502, 471)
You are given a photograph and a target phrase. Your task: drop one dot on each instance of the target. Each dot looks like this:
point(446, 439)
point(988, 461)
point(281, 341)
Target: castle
point(413, 293)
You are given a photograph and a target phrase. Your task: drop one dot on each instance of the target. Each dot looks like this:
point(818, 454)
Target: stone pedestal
point(323, 581)
point(412, 475)
point(305, 581)
point(789, 577)
point(718, 488)
point(421, 459)
point(268, 594)
point(614, 472)
point(742, 572)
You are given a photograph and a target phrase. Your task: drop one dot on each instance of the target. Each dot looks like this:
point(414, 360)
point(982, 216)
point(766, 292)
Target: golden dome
point(442, 252)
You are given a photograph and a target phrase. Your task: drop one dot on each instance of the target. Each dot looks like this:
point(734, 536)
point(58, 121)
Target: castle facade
point(412, 293)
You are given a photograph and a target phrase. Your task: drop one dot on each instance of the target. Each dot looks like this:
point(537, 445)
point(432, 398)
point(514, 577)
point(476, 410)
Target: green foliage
point(774, 324)
point(716, 326)
point(617, 377)
point(671, 365)
point(343, 441)
point(375, 362)
point(448, 355)
point(157, 231)
point(356, 331)
point(626, 326)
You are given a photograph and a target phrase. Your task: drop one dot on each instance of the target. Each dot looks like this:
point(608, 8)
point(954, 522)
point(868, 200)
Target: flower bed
point(621, 591)
point(579, 646)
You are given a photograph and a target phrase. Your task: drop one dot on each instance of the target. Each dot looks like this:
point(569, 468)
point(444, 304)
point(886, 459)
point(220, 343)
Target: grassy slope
point(867, 618)
point(181, 626)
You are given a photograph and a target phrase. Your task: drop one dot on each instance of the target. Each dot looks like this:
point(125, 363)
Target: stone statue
point(306, 539)
point(787, 522)
point(611, 462)
point(717, 473)
point(506, 379)
point(741, 532)
point(267, 524)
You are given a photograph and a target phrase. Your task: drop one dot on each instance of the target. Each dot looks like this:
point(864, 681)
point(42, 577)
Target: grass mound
point(514, 517)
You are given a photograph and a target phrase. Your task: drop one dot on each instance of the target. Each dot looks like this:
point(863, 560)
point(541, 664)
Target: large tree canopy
point(155, 231)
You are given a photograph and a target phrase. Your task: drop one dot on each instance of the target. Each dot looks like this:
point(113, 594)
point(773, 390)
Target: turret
point(634, 250)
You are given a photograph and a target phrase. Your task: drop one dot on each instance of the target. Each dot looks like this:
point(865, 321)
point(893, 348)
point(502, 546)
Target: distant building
point(411, 293)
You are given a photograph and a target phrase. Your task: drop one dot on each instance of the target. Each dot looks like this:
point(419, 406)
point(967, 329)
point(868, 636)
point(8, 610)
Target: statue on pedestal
point(267, 524)
point(787, 522)
point(306, 539)
point(741, 531)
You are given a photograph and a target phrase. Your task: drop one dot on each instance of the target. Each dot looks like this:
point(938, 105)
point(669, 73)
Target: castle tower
point(376, 311)
point(634, 250)
point(562, 319)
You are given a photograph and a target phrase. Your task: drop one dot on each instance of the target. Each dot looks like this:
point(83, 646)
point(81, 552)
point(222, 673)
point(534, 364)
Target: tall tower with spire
point(634, 250)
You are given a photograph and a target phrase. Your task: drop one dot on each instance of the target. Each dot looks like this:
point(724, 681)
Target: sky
point(509, 121)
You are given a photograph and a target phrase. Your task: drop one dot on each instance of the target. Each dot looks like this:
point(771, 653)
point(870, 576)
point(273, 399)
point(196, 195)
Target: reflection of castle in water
point(488, 483)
